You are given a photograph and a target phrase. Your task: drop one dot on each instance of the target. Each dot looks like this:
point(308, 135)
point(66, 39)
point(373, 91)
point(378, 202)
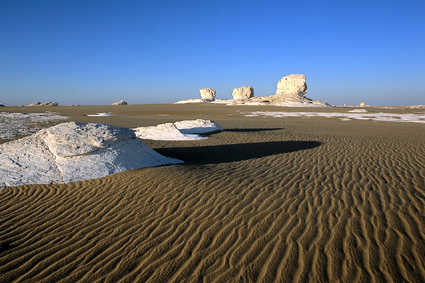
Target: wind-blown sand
point(291, 199)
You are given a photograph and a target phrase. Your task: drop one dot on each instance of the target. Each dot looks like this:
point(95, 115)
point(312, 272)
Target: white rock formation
point(178, 131)
point(101, 115)
point(20, 124)
point(164, 132)
point(352, 115)
point(190, 100)
point(198, 100)
point(49, 104)
point(290, 92)
point(362, 104)
point(72, 152)
point(207, 94)
point(121, 102)
point(38, 103)
point(243, 93)
point(292, 86)
point(198, 126)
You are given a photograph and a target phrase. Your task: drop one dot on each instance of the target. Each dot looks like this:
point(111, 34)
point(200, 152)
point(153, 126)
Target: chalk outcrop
point(178, 131)
point(207, 94)
point(290, 91)
point(198, 126)
point(121, 102)
point(243, 93)
point(38, 103)
point(72, 152)
point(20, 124)
point(292, 86)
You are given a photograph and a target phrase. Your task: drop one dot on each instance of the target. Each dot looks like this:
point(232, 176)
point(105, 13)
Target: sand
point(293, 199)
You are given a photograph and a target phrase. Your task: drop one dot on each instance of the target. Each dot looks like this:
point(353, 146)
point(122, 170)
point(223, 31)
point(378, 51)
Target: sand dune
point(267, 200)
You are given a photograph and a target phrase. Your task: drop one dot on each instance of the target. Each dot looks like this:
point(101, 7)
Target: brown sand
point(268, 200)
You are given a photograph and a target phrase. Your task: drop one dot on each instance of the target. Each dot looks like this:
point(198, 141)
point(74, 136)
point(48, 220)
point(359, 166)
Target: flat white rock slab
point(197, 100)
point(101, 115)
point(21, 124)
point(198, 126)
point(352, 115)
point(71, 152)
point(178, 131)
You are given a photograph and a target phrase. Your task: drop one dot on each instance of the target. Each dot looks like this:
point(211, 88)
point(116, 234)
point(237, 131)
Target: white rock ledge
point(178, 131)
point(71, 152)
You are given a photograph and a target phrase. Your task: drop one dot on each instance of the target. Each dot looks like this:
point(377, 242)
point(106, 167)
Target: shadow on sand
point(6, 246)
point(234, 152)
point(252, 130)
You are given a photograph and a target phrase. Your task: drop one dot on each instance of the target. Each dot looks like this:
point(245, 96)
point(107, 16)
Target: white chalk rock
point(71, 139)
point(101, 115)
point(27, 161)
point(121, 102)
point(292, 86)
point(198, 126)
point(207, 94)
point(164, 132)
point(178, 131)
point(38, 103)
point(242, 93)
point(72, 152)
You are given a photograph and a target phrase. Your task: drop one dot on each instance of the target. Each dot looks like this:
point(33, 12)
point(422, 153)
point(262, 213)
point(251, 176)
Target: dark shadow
point(234, 131)
point(252, 130)
point(6, 246)
point(234, 152)
point(201, 134)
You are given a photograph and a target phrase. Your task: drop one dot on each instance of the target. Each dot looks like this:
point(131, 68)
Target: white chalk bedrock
point(20, 124)
point(72, 152)
point(178, 131)
point(359, 114)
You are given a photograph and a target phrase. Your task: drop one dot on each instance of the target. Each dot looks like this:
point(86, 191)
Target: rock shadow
point(249, 130)
point(234, 152)
point(6, 246)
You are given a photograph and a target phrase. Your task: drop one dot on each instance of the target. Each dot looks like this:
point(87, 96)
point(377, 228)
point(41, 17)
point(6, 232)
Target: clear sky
point(160, 51)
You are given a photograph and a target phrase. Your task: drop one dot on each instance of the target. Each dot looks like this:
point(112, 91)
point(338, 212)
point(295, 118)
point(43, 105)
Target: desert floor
point(267, 200)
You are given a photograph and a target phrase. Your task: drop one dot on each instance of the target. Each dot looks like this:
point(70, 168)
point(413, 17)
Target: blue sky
point(99, 52)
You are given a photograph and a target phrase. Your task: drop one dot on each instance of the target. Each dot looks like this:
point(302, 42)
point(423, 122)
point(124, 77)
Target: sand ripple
point(266, 202)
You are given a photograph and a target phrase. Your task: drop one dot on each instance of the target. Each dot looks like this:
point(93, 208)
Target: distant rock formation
point(1, 105)
point(243, 93)
point(362, 104)
point(72, 152)
point(121, 102)
point(291, 86)
point(290, 91)
point(49, 104)
point(38, 103)
point(207, 94)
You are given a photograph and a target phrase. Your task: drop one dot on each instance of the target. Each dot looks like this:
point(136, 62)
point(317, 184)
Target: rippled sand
point(268, 200)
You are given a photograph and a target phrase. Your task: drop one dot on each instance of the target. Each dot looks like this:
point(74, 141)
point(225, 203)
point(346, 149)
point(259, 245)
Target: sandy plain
point(267, 200)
